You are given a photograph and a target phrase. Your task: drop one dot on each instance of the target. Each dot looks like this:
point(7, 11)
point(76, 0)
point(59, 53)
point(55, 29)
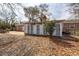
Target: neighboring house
point(19, 27)
point(71, 26)
point(37, 28)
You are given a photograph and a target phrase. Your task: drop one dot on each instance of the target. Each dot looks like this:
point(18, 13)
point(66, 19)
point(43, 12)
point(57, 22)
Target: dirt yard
point(16, 44)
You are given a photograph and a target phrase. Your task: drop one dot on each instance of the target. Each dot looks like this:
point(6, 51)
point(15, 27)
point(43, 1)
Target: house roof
point(57, 21)
point(33, 22)
point(71, 21)
point(19, 24)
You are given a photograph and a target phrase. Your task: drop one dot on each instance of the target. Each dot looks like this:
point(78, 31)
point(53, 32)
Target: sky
point(58, 10)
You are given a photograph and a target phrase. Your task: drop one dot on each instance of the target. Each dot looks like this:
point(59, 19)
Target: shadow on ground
point(64, 41)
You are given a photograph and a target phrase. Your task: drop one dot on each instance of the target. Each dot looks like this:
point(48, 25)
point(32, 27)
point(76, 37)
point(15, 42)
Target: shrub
point(4, 26)
point(49, 27)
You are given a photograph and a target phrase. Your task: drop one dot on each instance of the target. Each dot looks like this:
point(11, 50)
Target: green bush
point(49, 27)
point(4, 25)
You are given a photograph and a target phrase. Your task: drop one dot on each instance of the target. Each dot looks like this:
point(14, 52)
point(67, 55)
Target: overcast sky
point(57, 9)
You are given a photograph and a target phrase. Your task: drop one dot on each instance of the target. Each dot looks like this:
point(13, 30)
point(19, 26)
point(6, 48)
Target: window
point(31, 29)
point(28, 29)
point(38, 29)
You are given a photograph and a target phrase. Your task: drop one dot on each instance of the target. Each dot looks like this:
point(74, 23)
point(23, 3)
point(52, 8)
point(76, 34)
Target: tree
point(74, 9)
point(49, 27)
point(43, 12)
point(37, 12)
point(8, 13)
point(31, 13)
point(4, 27)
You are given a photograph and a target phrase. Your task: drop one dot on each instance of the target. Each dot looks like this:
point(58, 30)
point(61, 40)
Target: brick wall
point(19, 28)
point(68, 27)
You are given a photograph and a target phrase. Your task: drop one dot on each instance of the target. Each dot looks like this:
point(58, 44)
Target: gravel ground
point(16, 44)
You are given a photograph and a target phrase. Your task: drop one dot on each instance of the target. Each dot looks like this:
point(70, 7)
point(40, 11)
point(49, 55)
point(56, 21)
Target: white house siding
point(57, 31)
point(41, 29)
point(30, 29)
point(34, 29)
point(61, 29)
point(25, 28)
point(54, 33)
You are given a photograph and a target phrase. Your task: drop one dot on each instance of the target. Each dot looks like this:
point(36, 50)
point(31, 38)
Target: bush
point(49, 27)
point(4, 26)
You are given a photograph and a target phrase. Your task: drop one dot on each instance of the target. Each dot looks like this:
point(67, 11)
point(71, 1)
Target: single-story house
point(19, 27)
point(37, 28)
point(71, 26)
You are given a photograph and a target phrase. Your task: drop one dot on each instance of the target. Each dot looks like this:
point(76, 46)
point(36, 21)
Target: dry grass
point(15, 43)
